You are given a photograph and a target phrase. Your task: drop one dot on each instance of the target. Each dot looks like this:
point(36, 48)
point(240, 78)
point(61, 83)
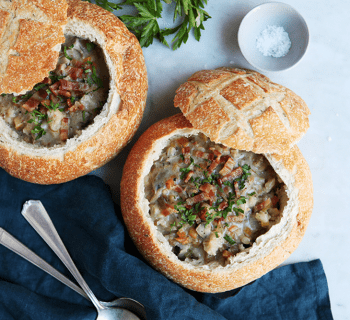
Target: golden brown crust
point(31, 32)
point(139, 225)
point(130, 78)
point(243, 104)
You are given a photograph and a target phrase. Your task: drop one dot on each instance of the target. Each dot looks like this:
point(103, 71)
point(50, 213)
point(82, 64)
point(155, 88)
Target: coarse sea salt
point(273, 41)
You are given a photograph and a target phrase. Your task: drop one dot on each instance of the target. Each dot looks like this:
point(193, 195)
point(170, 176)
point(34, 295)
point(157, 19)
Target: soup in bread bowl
point(85, 110)
point(210, 215)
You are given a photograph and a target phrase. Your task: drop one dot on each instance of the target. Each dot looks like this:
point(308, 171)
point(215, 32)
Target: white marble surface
point(322, 79)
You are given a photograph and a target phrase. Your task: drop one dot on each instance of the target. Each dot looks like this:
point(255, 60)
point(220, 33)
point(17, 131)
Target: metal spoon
point(11, 243)
point(35, 213)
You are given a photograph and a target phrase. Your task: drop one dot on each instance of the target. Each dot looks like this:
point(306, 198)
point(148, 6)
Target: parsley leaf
point(95, 78)
point(52, 106)
point(186, 170)
point(39, 86)
point(66, 54)
point(39, 131)
point(90, 46)
point(187, 215)
point(37, 118)
point(229, 239)
point(244, 177)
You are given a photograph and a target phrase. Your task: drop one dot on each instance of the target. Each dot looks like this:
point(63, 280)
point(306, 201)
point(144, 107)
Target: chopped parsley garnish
point(229, 184)
point(72, 99)
point(186, 170)
point(196, 182)
point(182, 156)
point(54, 78)
point(210, 178)
point(87, 71)
point(95, 78)
point(187, 215)
point(52, 106)
point(39, 131)
point(251, 194)
point(3, 94)
point(14, 100)
point(37, 117)
point(241, 200)
point(229, 240)
point(39, 86)
point(65, 53)
point(26, 96)
point(90, 46)
point(89, 81)
point(237, 211)
point(244, 177)
point(216, 235)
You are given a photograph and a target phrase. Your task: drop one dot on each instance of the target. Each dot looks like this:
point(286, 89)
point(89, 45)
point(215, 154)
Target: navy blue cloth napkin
point(91, 227)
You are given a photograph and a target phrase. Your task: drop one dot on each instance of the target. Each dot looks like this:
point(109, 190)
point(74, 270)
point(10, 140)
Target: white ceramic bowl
point(278, 14)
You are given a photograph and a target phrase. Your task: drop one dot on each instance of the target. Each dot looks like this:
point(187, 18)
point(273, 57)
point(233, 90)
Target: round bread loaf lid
point(31, 33)
point(243, 109)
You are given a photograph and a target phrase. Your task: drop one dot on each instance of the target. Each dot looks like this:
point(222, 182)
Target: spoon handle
point(11, 243)
point(35, 213)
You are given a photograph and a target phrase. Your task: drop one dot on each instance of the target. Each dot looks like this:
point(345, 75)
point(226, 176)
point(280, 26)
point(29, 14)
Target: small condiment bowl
point(273, 14)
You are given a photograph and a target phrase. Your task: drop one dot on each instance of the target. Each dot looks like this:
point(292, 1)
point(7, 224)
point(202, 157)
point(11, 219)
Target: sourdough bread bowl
point(209, 215)
point(90, 106)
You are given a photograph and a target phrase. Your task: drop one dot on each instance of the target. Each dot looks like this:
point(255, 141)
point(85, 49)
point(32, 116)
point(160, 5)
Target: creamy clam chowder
point(212, 202)
point(65, 102)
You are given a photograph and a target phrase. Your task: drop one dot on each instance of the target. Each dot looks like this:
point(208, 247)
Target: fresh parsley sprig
point(145, 23)
point(194, 16)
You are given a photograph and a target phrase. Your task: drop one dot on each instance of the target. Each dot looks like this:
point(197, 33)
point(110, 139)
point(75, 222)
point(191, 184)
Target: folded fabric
point(91, 227)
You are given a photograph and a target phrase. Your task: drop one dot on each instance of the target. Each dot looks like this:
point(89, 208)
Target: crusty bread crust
point(243, 109)
point(268, 251)
point(31, 32)
point(112, 129)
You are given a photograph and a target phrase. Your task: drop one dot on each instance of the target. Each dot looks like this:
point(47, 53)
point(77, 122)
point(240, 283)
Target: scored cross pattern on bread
point(243, 109)
point(31, 32)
